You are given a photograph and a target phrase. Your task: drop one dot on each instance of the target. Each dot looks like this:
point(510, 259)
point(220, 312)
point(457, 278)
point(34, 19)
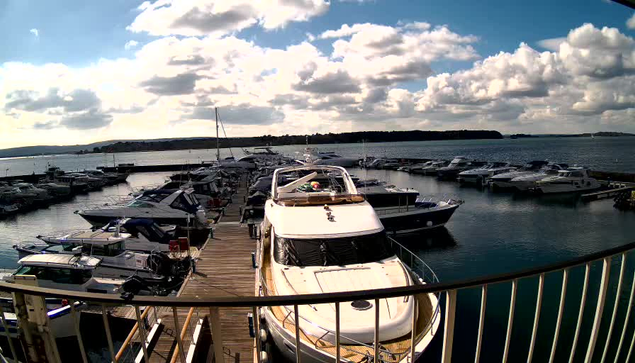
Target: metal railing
point(597, 341)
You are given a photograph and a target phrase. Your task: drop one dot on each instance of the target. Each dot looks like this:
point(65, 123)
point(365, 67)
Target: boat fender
point(263, 335)
point(264, 357)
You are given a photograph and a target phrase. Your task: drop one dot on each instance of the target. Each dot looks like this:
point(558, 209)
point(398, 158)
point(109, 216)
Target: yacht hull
point(284, 339)
point(417, 219)
point(99, 220)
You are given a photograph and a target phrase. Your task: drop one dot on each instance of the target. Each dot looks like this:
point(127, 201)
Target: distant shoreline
point(242, 142)
point(126, 146)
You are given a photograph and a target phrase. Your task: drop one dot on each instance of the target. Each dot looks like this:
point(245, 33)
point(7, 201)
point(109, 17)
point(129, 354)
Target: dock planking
point(224, 268)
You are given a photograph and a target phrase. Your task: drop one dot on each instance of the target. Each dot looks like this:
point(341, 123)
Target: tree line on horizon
point(269, 140)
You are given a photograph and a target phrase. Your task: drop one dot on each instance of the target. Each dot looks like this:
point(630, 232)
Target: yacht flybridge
point(320, 236)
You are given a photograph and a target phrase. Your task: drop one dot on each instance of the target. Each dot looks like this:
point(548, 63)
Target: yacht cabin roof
point(60, 261)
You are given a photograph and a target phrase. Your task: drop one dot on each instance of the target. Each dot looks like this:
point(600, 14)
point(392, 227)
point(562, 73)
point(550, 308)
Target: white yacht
point(574, 179)
point(316, 157)
point(323, 237)
point(502, 181)
point(528, 181)
point(480, 175)
point(165, 207)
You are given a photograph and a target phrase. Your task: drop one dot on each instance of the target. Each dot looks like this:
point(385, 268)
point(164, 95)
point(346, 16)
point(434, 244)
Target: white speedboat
point(502, 181)
point(138, 234)
point(528, 181)
point(116, 261)
point(571, 180)
point(479, 176)
point(321, 236)
point(165, 207)
point(65, 272)
point(429, 168)
point(457, 165)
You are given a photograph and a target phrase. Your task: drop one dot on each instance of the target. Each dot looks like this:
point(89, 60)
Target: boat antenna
point(217, 144)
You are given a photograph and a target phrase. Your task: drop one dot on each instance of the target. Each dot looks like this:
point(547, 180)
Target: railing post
point(595, 331)
point(615, 307)
point(534, 332)
point(481, 324)
point(142, 331)
point(296, 316)
point(413, 329)
point(80, 341)
point(585, 288)
point(510, 320)
point(111, 347)
point(337, 332)
point(44, 325)
point(376, 339)
point(626, 319)
point(556, 334)
point(19, 302)
point(14, 356)
point(448, 329)
point(217, 335)
point(177, 328)
point(256, 329)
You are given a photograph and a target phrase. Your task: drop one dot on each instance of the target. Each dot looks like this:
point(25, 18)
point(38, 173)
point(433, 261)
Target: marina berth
point(343, 248)
point(457, 165)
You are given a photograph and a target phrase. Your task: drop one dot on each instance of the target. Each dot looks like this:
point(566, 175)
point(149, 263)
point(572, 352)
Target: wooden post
point(217, 335)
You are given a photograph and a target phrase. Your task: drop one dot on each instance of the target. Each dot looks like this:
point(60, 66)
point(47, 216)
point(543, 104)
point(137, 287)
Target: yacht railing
point(602, 324)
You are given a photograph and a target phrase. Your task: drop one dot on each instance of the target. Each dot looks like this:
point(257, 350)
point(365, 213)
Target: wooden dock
point(604, 194)
point(224, 268)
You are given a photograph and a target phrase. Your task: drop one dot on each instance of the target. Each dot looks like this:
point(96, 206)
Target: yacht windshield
point(332, 251)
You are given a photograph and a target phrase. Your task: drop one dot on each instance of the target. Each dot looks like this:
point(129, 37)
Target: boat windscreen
point(332, 251)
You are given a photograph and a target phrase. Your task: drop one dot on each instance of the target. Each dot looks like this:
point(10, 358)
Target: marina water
point(490, 233)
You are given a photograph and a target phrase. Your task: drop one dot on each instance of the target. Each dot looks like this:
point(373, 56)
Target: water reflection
point(438, 238)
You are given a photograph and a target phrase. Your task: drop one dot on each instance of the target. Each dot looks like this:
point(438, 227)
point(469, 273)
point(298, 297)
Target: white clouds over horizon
point(584, 81)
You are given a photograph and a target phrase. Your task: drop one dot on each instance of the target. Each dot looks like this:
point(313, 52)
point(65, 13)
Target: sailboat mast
point(217, 143)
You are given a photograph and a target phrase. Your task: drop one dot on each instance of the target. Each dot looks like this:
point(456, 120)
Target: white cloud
point(586, 83)
point(630, 23)
point(35, 32)
point(591, 72)
point(131, 44)
point(552, 44)
point(217, 18)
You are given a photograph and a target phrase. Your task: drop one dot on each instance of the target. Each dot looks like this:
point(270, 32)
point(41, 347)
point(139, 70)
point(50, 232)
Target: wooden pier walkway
point(224, 268)
point(604, 194)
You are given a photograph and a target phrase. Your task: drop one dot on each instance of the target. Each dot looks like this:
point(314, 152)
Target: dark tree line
point(347, 137)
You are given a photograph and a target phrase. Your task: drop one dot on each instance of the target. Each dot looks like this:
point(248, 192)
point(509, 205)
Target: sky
point(75, 72)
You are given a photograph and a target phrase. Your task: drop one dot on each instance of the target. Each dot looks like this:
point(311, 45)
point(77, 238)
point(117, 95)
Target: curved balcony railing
point(609, 338)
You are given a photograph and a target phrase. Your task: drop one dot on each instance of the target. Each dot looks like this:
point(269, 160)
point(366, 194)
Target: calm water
point(607, 154)
point(490, 233)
